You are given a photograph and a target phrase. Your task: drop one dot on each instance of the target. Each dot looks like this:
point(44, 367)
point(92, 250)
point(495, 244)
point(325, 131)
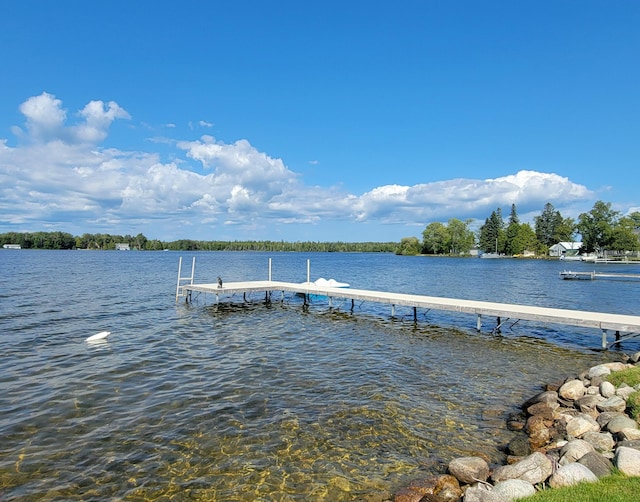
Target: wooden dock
point(623, 326)
point(569, 275)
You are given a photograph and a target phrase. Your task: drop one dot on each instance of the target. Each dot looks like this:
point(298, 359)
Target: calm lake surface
point(248, 401)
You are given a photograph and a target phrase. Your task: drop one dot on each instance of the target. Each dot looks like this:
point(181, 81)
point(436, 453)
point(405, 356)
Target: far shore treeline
point(63, 240)
point(601, 229)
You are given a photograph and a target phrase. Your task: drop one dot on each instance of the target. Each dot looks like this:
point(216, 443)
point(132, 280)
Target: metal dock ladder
point(179, 291)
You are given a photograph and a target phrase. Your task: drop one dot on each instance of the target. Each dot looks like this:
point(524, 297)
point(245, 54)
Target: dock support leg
point(330, 302)
point(604, 338)
point(497, 330)
point(479, 323)
point(393, 310)
point(415, 314)
point(352, 304)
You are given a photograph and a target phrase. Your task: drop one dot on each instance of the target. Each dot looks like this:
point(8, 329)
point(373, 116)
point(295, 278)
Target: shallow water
point(255, 401)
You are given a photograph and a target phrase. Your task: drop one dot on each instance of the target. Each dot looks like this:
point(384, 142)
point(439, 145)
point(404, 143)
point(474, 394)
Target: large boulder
point(613, 403)
point(572, 474)
point(533, 469)
point(597, 463)
point(627, 460)
point(574, 451)
point(469, 470)
point(601, 441)
point(439, 488)
point(482, 493)
point(572, 390)
point(621, 422)
point(580, 425)
point(513, 489)
point(607, 389)
point(598, 371)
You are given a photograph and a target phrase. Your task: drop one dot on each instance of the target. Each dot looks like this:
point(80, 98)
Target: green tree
point(551, 227)
point(434, 238)
point(525, 239)
point(460, 238)
point(409, 246)
point(596, 227)
point(511, 233)
point(491, 234)
point(625, 237)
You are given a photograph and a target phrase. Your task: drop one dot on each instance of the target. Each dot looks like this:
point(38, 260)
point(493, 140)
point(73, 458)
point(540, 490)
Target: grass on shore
point(614, 488)
point(630, 376)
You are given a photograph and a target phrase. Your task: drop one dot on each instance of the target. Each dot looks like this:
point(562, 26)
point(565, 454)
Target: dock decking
point(629, 325)
point(568, 274)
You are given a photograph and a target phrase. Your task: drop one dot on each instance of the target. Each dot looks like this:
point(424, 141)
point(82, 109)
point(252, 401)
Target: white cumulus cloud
point(60, 176)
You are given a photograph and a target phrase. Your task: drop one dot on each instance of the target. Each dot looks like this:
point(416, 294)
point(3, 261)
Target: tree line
point(63, 240)
point(601, 229)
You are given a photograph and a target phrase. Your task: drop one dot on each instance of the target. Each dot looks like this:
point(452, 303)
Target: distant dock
point(623, 326)
point(569, 275)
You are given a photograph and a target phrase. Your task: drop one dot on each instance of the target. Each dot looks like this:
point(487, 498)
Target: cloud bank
point(58, 175)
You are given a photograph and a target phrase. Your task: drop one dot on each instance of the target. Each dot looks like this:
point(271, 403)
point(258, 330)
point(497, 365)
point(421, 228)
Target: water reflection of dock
point(624, 326)
point(568, 274)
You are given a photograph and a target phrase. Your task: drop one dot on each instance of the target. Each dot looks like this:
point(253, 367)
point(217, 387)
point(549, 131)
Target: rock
point(601, 441)
point(519, 446)
point(620, 422)
point(574, 451)
point(635, 357)
point(617, 366)
point(440, 488)
point(588, 404)
point(627, 461)
point(482, 493)
point(580, 425)
point(614, 403)
point(573, 389)
point(469, 470)
point(534, 469)
point(514, 489)
point(572, 474)
point(624, 391)
point(548, 396)
point(628, 435)
point(635, 444)
point(598, 371)
point(597, 463)
point(544, 410)
point(536, 423)
point(539, 438)
point(604, 417)
point(593, 390)
point(607, 389)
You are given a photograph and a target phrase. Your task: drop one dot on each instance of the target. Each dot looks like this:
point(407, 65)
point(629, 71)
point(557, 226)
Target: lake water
point(254, 401)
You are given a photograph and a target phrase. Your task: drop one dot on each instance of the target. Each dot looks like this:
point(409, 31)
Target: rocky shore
point(574, 431)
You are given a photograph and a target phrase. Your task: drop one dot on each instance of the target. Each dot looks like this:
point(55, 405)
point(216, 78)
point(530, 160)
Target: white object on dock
point(98, 336)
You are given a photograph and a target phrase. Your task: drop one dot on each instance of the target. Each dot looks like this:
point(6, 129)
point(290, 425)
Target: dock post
point(604, 338)
point(269, 269)
point(393, 310)
point(479, 323)
point(415, 314)
point(308, 270)
point(331, 302)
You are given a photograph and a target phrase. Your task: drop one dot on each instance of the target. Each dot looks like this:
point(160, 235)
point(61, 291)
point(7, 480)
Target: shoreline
point(573, 431)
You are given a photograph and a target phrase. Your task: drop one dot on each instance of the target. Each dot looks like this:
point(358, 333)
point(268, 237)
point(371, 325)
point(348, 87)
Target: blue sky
point(323, 121)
